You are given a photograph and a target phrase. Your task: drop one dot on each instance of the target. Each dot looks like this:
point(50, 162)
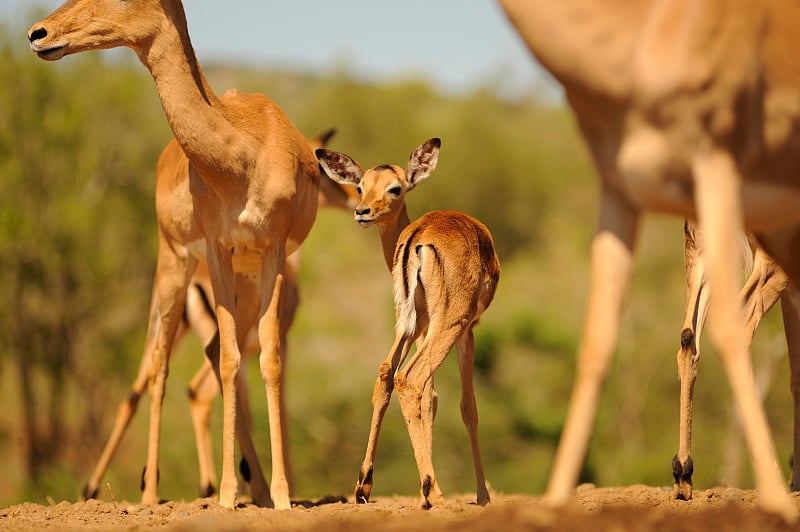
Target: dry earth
point(632, 508)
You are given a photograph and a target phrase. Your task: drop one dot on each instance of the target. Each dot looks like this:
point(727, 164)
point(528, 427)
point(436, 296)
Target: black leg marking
point(687, 337)
point(365, 478)
point(244, 469)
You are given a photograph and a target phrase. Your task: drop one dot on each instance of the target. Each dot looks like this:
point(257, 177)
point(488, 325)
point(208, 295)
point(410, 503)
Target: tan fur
point(688, 107)
point(203, 387)
point(445, 274)
point(237, 188)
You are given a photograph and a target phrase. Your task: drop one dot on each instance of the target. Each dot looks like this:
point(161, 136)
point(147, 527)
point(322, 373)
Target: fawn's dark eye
point(360, 190)
point(395, 191)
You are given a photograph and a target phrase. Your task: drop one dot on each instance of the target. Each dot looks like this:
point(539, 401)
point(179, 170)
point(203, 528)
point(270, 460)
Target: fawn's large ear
point(339, 167)
point(422, 162)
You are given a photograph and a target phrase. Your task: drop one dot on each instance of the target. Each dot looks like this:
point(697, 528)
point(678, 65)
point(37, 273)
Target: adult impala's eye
point(395, 191)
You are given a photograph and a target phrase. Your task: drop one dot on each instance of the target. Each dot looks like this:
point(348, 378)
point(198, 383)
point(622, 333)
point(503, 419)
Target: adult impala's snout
point(45, 50)
point(36, 34)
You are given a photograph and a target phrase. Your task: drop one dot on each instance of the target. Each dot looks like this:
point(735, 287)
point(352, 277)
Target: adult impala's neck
point(390, 232)
point(191, 107)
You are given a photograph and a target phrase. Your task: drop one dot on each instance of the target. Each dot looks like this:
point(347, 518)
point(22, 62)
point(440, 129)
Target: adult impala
point(765, 285)
point(203, 388)
point(445, 274)
point(688, 107)
point(237, 189)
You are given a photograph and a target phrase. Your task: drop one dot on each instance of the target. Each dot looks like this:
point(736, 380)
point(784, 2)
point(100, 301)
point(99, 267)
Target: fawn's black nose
point(360, 211)
point(38, 33)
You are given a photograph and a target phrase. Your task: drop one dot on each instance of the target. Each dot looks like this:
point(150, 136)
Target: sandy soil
point(618, 508)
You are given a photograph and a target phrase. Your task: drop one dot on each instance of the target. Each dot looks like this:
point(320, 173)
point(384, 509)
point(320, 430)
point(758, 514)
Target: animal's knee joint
point(385, 371)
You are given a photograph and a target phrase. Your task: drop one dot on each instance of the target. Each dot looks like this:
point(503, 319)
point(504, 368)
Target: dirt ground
point(631, 508)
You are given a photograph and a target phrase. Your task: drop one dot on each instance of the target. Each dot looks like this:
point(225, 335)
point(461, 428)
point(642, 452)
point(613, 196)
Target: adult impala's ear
point(422, 162)
point(339, 167)
point(322, 140)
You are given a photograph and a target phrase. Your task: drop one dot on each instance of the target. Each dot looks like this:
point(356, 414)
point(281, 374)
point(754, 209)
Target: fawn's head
point(381, 189)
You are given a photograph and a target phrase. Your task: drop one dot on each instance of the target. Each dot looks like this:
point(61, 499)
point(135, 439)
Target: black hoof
point(426, 492)
point(208, 491)
point(86, 494)
point(682, 473)
point(361, 496)
point(364, 486)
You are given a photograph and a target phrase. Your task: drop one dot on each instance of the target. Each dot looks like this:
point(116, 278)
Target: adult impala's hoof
point(281, 502)
point(88, 493)
point(430, 493)
point(150, 499)
point(682, 473)
point(228, 496)
point(361, 495)
point(207, 491)
point(364, 486)
point(483, 500)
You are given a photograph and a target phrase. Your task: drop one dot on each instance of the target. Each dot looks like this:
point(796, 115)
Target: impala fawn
point(445, 273)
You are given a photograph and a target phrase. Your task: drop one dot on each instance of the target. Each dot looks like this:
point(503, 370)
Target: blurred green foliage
point(78, 145)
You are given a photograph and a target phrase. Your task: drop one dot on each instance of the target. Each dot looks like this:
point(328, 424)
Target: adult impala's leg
point(247, 309)
point(172, 280)
point(689, 356)
point(719, 211)
point(220, 268)
point(381, 395)
point(612, 263)
point(203, 389)
point(412, 384)
point(272, 276)
point(125, 412)
point(250, 467)
point(762, 290)
point(790, 308)
point(127, 408)
point(290, 300)
point(465, 347)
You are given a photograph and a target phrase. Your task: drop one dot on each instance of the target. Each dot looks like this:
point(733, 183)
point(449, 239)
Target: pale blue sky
point(457, 44)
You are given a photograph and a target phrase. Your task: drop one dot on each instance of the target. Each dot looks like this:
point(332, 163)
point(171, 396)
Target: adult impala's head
point(81, 25)
point(381, 189)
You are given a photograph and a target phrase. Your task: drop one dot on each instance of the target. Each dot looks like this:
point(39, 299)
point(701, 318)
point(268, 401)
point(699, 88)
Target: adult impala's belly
point(655, 176)
point(768, 206)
